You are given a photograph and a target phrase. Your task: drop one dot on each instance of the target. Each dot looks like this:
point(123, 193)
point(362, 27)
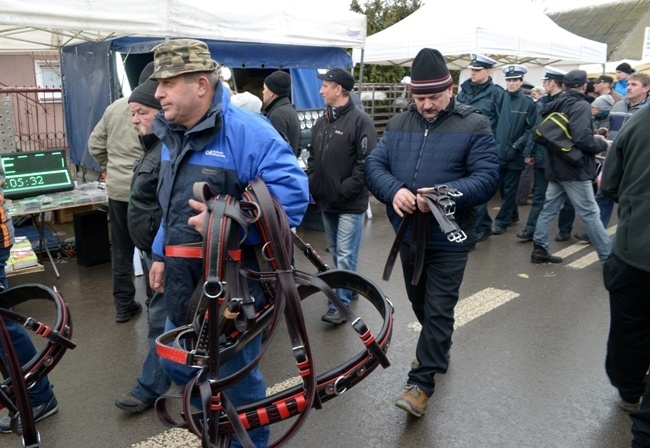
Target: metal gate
point(31, 119)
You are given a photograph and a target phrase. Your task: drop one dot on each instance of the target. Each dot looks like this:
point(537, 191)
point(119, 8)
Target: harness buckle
point(210, 283)
point(334, 388)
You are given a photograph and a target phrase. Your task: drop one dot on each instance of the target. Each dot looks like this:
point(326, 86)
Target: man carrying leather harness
point(205, 139)
point(223, 321)
point(438, 142)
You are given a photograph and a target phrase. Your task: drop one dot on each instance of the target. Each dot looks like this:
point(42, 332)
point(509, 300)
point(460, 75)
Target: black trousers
point(628, 346)
point(433, 300)
point(508, 186)
point(121, 255)
point(641, 421)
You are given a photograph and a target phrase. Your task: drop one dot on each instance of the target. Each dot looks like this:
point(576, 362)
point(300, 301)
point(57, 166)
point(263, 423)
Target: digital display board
point(35, 172)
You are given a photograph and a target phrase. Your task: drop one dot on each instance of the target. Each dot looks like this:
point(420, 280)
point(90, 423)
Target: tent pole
point(361, 72)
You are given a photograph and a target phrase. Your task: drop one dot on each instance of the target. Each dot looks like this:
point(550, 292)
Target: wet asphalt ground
point(527, 366)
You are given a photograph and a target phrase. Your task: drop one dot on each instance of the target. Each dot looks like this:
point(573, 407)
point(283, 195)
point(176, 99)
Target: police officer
point(493, 101)
point(523, 117)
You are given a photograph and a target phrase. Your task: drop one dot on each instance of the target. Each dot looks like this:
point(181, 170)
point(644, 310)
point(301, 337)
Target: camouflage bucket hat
point(175, 57)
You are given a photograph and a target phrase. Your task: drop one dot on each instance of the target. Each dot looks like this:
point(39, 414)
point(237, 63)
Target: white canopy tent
point(38, 25)
point(88, 34)
point(506, 32)
point(609, 68)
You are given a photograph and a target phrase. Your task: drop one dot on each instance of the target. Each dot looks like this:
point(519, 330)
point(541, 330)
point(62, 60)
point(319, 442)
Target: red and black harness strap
point(225, 321)
point(442, 206)
point(18, 379)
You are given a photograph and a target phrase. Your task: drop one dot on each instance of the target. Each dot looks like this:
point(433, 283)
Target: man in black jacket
point(279, 110)
point(571, 181)
point(144, 219)
point(341, 140)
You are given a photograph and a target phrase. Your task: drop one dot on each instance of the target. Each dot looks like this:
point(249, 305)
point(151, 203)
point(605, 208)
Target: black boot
point(541, 255)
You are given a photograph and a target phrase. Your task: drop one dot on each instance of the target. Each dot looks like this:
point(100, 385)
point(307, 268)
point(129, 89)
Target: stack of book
point(21, 255)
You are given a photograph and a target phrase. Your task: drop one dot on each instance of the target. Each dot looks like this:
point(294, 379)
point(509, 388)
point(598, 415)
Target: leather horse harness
point(18, 379)
point(222, 320)
point(439, 199)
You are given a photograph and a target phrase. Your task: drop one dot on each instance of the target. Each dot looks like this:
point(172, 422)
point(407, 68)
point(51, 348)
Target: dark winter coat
point(457, 149)
point(626, 180)
point(523, 118)
point(144, 212)
point(576, 106)
point(284, 118)
point(493, 102)
point(341, 140)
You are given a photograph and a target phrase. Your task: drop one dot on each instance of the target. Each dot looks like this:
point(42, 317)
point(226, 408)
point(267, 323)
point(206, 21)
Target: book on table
point(21, 255)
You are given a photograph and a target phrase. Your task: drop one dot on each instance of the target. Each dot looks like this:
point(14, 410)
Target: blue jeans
point(581, 194)
point(343, 233)
point(567, 214)
point(41, 392)
point(153, 382)
point(251, 388)
point(606, 206)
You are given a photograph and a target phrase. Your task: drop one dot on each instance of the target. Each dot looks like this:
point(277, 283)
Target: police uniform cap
point(514, 71)
point(553, 73)
point(479, 62)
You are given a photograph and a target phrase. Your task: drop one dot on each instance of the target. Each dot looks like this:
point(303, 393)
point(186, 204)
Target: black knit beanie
point(144, 94)
point(624, 67)
point(429, 73)
point(279, 82)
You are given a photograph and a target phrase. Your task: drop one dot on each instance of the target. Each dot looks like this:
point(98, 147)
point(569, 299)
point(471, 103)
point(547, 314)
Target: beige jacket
point(114, 144)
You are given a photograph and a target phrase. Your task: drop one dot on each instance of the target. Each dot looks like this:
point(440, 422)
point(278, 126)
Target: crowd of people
point(190, 127)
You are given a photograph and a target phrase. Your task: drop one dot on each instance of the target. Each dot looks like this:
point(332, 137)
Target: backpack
point(553, 133)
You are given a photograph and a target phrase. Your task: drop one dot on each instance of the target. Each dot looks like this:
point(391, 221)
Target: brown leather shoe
point(414, 400)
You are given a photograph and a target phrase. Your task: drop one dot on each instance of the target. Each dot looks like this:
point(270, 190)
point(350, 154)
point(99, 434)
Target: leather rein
point(223, 320)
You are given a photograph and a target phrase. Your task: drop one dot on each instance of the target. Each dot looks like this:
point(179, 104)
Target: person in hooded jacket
point(568, 181)
point(600, 108)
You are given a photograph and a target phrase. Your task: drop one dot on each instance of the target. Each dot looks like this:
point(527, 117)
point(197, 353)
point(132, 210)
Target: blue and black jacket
point(456, 149)
point(227, 149)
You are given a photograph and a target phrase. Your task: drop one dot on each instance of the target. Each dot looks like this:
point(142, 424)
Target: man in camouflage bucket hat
point(176, 57)
point(206, 139)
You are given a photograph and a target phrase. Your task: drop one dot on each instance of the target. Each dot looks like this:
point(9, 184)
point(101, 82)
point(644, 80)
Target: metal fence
point(31, 119)
point(382, 101)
